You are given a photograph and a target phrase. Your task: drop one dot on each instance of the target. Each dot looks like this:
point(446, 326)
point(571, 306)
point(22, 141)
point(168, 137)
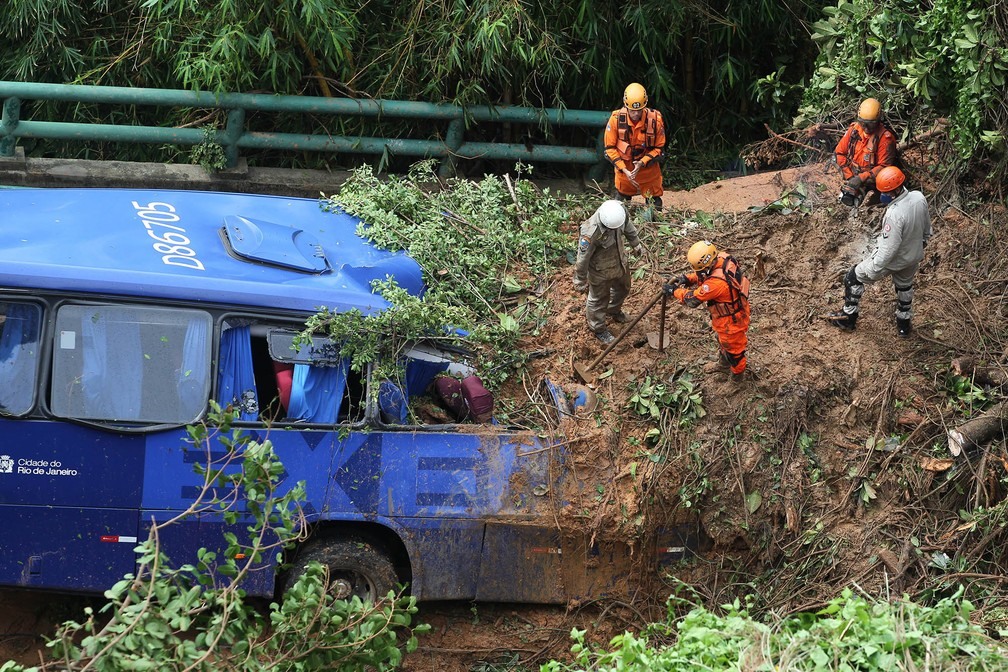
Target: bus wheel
point(356, 567)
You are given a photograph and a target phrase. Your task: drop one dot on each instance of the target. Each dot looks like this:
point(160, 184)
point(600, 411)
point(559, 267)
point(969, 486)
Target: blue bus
point(124, 312)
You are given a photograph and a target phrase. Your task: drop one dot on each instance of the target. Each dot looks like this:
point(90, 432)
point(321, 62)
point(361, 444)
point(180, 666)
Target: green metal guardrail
point(235, 137)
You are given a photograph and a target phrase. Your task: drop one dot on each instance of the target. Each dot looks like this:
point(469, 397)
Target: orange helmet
point(889, 179)
point(702, 255)
point(869, 111)
point(635, 97)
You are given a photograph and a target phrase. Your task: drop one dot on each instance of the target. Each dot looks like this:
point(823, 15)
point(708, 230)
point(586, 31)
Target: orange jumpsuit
point(728, 303)
point(865, 154)
point(627, 142)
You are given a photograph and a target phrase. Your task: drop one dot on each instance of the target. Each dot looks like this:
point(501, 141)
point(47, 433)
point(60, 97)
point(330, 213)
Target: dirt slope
point(818, 471)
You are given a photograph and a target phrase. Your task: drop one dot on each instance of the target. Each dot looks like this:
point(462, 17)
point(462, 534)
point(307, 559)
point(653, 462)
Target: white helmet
point(611, 214)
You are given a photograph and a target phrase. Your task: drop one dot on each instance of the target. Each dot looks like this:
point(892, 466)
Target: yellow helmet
point(635, 97)
point(702, 255)
point(869, 111)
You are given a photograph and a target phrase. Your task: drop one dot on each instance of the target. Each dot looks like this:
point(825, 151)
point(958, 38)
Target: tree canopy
point(718, 70)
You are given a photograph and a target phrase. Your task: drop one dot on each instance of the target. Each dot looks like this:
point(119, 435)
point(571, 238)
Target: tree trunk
point(982, 376)
point(980, 430)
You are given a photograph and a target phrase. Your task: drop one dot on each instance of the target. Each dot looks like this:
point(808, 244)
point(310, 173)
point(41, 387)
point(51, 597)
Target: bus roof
point(221, 248)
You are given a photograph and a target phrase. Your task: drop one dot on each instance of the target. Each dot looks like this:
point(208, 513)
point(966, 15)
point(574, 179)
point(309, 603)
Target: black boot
point(842, 320)
point(903, 327)
point(605, 336)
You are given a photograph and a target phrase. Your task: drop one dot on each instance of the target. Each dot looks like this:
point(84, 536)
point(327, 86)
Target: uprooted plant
point(195, 616)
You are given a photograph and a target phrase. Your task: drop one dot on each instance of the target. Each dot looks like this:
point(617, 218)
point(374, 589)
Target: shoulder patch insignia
point(885, 230)
point(705, 288)
point(584, 243)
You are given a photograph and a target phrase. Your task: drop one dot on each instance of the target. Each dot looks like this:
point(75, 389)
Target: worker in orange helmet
point(866, 148)
point(635, 144)
point(718, 281)
point(899, 249)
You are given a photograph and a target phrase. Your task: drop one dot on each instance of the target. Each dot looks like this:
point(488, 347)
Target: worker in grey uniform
point(906, 227)
point(603, 265)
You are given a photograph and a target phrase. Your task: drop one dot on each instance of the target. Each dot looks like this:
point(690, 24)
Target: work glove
point(850, 192)
point(580, 287)
point(638, 249)
point(670, 287)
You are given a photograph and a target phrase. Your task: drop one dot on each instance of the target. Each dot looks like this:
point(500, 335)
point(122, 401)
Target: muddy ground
point(825, 467)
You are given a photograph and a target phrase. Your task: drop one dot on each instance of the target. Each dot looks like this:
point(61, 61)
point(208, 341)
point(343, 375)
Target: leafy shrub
point(850, 633)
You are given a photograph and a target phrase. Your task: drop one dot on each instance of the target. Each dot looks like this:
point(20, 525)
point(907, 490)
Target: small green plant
point(965, 396)
point(678, 397)
point(209, 153)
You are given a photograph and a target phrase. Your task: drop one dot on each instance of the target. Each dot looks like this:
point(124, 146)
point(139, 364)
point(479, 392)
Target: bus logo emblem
point(6, 464)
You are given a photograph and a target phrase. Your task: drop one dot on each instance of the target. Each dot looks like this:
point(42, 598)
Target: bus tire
point(356, 567)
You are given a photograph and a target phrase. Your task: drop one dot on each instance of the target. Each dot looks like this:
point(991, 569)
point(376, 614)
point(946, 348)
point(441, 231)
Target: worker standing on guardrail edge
point(718, 281)
point(866, 148)
point(906, 227)
point(603, 266)
point(635, 145)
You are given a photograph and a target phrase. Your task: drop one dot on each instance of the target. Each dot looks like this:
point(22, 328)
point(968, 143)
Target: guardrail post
point(603, 169)
point(8, 122)
point(233, 133)
point(453, 141)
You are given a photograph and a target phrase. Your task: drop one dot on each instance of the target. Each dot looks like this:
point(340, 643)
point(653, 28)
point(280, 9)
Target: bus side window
point(124, 363)
point(19, 352)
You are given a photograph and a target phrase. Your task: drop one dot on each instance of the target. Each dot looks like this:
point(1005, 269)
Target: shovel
point(583, 372)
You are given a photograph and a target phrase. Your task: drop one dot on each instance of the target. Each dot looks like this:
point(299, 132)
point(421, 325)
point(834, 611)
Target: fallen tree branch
point(793, 142)
point(980, 375)
point(979, 431)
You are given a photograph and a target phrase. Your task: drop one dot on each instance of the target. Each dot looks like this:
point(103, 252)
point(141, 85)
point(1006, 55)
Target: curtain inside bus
point(235, 378)
point(317, 392)
point(111, 378)
point(192, 387)
point(19, 356)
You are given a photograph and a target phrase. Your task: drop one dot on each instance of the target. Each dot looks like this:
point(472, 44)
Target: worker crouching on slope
point(899, 249)
point(634, 144)
point(603, 265)
point(864, 150)
point(718, 281)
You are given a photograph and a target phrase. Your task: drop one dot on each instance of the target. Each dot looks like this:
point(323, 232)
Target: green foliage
point(948, 57)
point(482, 251)
point(679, 398)
point(243, 44)
point(850, 633)
point(697, 60)
point(964, 396)
point(196, 616)
point(209, 153)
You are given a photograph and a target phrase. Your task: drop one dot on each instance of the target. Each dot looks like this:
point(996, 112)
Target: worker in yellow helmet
point(717, 282)
point(866, 148)
point(635, 144)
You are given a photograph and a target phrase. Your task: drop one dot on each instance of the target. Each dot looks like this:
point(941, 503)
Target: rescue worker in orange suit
point(717, 280)
point(866, 148)
point(635, 144)
point(906, 228)
point(602, 268)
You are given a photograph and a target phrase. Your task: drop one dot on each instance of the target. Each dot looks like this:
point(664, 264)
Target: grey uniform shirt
point(906, 226)
point(602, 253)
